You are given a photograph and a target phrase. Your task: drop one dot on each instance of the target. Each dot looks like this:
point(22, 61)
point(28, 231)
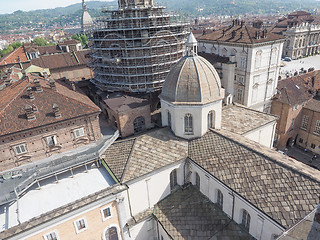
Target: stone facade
point(302, 33)
point(248, 61)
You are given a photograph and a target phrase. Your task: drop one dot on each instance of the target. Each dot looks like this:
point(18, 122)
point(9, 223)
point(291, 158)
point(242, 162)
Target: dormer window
point(52, 141)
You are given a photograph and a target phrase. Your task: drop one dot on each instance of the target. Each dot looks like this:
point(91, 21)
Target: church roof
point(187, 214)
point(193, 80)
point(283, 188)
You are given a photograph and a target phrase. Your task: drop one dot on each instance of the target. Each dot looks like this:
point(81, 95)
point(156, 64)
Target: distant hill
point(61, 16)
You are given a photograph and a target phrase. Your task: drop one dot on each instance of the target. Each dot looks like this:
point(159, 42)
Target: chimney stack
point(56, 110)
point(7, 80)
point(45, 74)
point(30, 94)
point(52, 85)
point(264, 33)
point(73, 87)
point(257, 34)
point(234, 33)
point(29, 112)
point(37, 85)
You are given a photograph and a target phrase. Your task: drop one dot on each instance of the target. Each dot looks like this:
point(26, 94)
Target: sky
point(9, 6)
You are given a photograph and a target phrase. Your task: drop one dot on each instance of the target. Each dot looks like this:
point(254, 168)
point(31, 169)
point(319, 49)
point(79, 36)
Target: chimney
point(45, 74)
point(52, 85)
point(23, 73)
point(7, 81)
point(264, 33)
point(56, 110)
point(37, 85)
point(30, 94)
point(257, 34)
point(234, 33)
point(242, 23)
point(29, 112)
point(223, 32)
point(73, 86)
point(241, 35)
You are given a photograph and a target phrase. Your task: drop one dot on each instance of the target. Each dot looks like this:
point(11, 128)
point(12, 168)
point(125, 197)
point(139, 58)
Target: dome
point(192, 80)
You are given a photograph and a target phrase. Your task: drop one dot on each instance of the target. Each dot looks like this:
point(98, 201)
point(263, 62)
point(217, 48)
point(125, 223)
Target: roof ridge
point(128, 160)
point(246, 27)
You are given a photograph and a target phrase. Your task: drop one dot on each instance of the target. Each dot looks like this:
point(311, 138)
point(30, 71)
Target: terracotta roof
point(293, 90)
point(14, 98)
point(241, 119)
point(14, 57)
point(240, 34)
point(283, 188)
point(69, 42)
point(62, 60)
point(313, 104)
point(124, 103)
point(188, 214)
point(49, 50)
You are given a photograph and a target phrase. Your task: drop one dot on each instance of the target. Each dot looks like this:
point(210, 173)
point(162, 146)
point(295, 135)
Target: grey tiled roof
point(283, 188)
point(282, 193)
point(188, 214)
point(242, 120)
point(117, 156)
point(149, 152)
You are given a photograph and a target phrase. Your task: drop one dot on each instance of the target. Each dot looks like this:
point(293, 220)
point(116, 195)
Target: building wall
point(308, 135)
point(302, 40)
point(124, 121)
point(36, 143)
point(261, 226)
point(257, 65)
point(96, 225)
point(199, 113)
point(73, 74)
point(287, 114)
point(263, 135)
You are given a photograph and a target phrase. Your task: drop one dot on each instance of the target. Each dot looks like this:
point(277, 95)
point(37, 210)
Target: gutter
point(109, 171)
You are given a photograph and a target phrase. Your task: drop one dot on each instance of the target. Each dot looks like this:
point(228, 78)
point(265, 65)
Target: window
point(197, 181)
point(80, 225)
point(173, 179)
point(78, 132)
point(211, 119)
point(300, 140)
point(220, 199)
point(292, 124)
point(51, 236)
point(106, 213)
point(313, 145)
point(245, 222)
point(258, 59)
point(239, 95)
point(317, 127)
point(241, 80)
point(305, 121)
point(243, 62)
point(188, 125)
point(52, 141)
point(111, 234)
point(20, 149)
point(139, 124)
point(169, 119)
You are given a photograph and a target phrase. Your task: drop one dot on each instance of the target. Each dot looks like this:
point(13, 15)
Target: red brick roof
point(14, 57)
point(14, 98)
point(313, 105)
point(295, 90)
point(62, 60)
point(240, 33)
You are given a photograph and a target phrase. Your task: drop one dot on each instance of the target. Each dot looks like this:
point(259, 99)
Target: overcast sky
point(9, 6)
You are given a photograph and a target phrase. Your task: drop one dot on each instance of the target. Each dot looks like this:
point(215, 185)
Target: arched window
point(111, 234)
point(169, 119)
point(258, 59)
point(188, 124)
point(173, 179)
point(139, 124)
point(197, 181)
point(211, 119)
point(220, 199)
point(245, 221)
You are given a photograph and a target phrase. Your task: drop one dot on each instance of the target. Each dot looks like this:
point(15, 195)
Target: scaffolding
point(135, 46)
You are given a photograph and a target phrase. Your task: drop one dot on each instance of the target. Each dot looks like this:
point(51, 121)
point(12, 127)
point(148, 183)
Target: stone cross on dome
point(192, 45)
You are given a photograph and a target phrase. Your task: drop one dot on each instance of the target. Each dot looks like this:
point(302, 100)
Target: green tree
point(39, 41)
point(84, 39)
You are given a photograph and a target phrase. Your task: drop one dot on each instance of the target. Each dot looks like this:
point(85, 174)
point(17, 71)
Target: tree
point(40, 41)
point(81, 38)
